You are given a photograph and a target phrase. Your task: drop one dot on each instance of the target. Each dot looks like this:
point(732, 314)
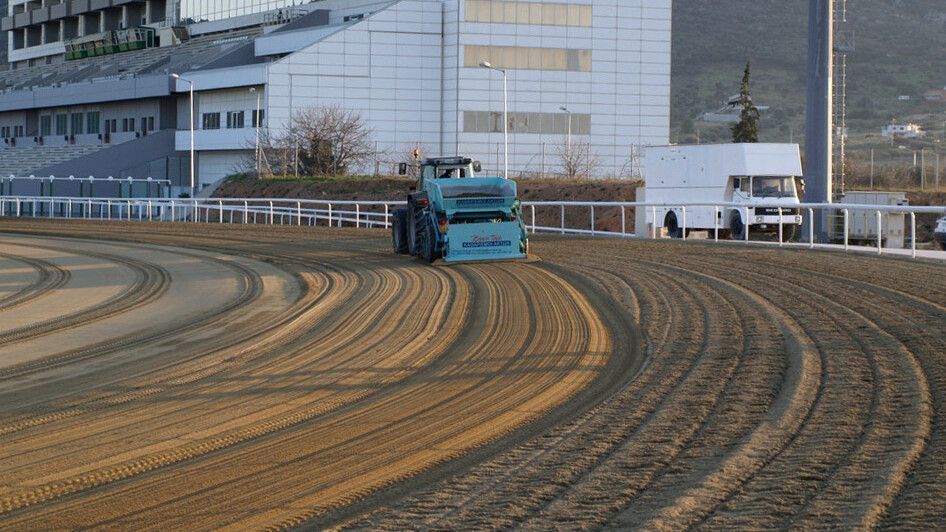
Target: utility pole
point(820, 106)
point(872, 168)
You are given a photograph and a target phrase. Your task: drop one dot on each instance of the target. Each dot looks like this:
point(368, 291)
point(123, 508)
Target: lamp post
point(488, 65)
point(568, 144)
point(193, 172)
point(258, 120)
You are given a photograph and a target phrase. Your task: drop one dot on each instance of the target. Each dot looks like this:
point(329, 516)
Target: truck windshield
point(773, 187)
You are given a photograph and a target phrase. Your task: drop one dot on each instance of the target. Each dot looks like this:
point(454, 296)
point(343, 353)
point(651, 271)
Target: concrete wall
point(626, 92)
point(387, 68)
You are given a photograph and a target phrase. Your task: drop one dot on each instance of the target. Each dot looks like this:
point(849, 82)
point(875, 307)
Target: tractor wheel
point(673, 227)
point(399, 231)
point(428, 244)
point(737, 229)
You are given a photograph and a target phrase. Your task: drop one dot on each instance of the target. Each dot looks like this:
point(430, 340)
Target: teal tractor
point(457, 216)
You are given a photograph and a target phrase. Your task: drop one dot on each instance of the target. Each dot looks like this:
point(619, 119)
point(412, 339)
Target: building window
point(62, 122)
point(259, 119)
point(128, 125)
point(521, 58)
point(77, 122)
point(147, 123)
point(354, 18)
point(234, 119)
point(92, 122)
point(529, 123)
point(111, 125)
point(533, 13)
point(5, 131)
point(211, 121)
point(18, 131)
point(45, 125)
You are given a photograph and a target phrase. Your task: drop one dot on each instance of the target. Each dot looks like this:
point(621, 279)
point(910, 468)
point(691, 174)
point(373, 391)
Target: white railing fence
point(377, 214)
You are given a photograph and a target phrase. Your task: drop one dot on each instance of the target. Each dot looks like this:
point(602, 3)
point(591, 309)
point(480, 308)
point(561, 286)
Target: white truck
point(746, 175)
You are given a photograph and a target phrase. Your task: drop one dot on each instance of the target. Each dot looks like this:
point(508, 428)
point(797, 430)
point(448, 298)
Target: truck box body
point(862, 224)
point(720, 174)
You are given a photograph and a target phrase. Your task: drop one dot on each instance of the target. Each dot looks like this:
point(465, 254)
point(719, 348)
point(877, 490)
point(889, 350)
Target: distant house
point(935, 95)
point(729, 112)
point(905, 131)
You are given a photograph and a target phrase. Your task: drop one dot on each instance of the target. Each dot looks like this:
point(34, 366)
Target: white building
point(409, 67)
point(906, 131)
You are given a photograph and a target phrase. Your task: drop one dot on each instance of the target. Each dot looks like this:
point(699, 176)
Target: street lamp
point(258, 120)
point(569, 141)
point(191, 83)
point(488, 65)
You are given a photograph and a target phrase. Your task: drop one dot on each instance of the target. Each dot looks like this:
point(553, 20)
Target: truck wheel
point(789, 232)
point(399, 231)
point(673, 228)
point(428, 244)
point(736, 227)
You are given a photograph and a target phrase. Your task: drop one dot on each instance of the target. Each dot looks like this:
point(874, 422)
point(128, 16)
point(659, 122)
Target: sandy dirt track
point(310, 378)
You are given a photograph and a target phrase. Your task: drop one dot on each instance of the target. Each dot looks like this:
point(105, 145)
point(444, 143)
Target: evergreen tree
point(747, 129)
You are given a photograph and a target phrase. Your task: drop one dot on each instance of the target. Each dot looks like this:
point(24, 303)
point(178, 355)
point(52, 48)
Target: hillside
point(899, 46)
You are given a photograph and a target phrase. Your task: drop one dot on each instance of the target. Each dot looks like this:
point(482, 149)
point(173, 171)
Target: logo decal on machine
point(491, 241)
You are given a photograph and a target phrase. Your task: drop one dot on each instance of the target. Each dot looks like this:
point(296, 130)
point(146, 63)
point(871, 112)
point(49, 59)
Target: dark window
point(5, 131)
point(211, 121)
point(62, 122)
point(46, 125)
point(77, 122)
point(92, 122)
point(18, 131)
point(234, 119)
point(259, 119)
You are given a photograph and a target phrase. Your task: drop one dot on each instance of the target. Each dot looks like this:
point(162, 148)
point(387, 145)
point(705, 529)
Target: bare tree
point(576, 159)
point(319, 141)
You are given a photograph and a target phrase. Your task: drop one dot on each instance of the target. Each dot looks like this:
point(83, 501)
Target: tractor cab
point(447, 168)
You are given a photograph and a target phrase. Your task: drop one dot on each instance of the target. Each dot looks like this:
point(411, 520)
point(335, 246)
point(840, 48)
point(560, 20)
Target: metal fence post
point(811, 228)
point(847, 229)
point(196, 213)
point(109, 209)
point(592, 220)
point(387, 217)
point(69, 212)
point(129, 210)
point(272, 214)
point(880, 236)
point(563, 217)
point(532, 208)
point(149, 210)
point(330, 215)
point(358, 215)
point(683, 233)
point(746, 230)
point(780, 234)
point(246, 212)
point(623, 222)
point(653, 223)
point(913, 234)
point(172, 211)
point(220, 209)
point(299, 212)
point(716, 223)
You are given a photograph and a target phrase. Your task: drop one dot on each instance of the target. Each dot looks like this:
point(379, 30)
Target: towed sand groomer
point(457, 216)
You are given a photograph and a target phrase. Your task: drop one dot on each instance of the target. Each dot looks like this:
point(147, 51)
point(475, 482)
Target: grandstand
point(26, 161)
